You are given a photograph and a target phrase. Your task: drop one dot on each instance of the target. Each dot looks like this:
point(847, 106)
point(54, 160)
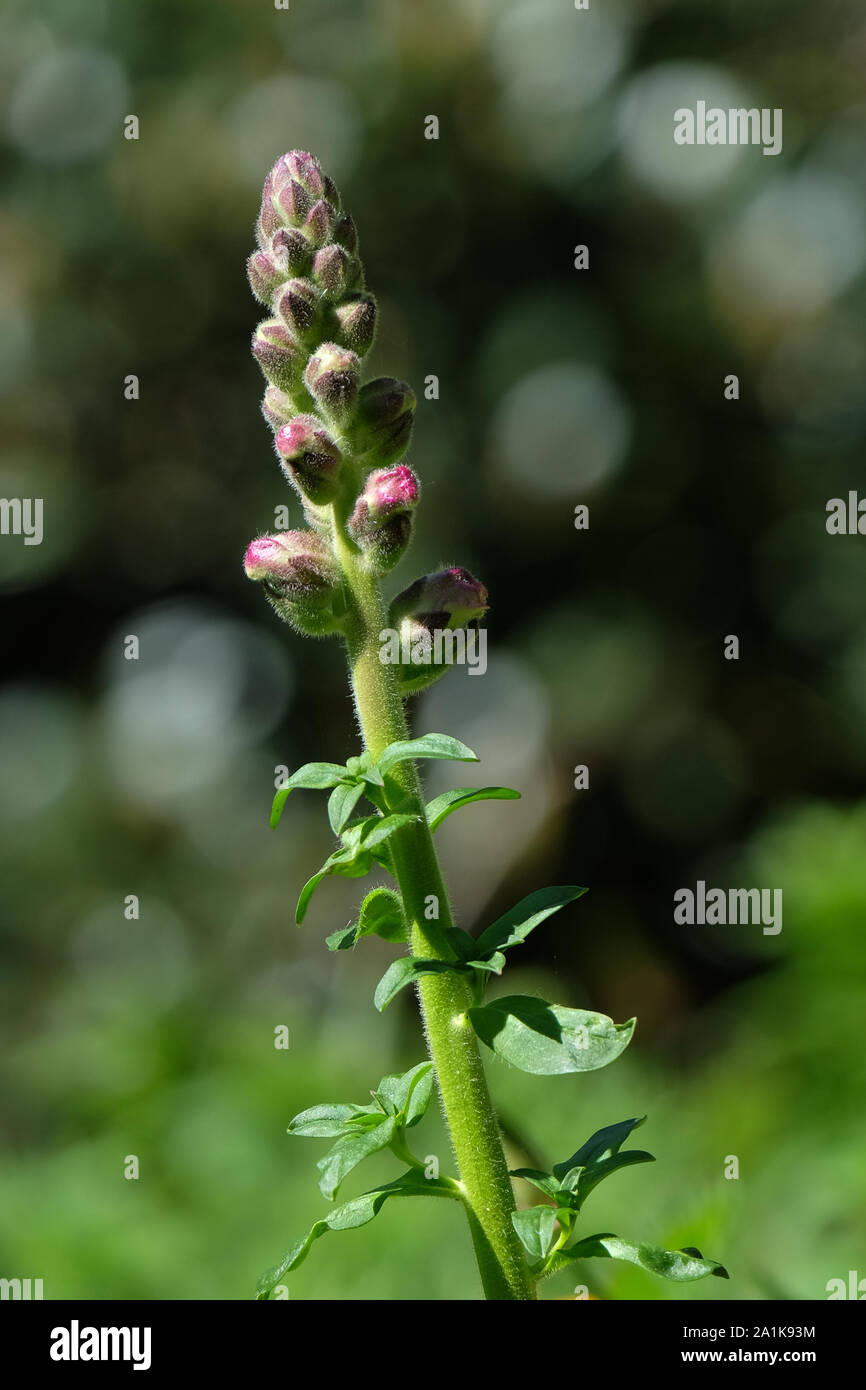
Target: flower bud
point(297, 305)
point(381, 522)
point(331, 377)
point(265, 276)
point(278, 408)
point(318, 222)
point(356, 317)
point(302, 167)
point(291, 251)
point(346, 234)
point(292, 203)
point(277, 353)
point(452, 595)
point(382, 427)
point(310, 458)
point(301, 579)
point(417, 667)
point(333, 271)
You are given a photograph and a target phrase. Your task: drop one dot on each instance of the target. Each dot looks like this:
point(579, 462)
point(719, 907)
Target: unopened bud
point(292, 202)
point(265, 276)
point(297, 305)
point(333, 271)
point(277, 353)
point(278, 408)
point(310, 458)
point(346, 234)
point(291, 251)
point(381, 522)
point(331, 377)
point(454, 597)
point(319, 222)
point(304, 168)
point(383, 423)
point(356, 317)
point(300, 577)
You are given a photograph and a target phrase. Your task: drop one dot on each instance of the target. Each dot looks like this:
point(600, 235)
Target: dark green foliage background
point(155, 1037)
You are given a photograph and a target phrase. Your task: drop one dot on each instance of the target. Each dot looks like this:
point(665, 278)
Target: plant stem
point(444, 998)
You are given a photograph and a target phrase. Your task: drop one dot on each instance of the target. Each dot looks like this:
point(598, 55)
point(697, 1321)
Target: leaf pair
point(568, 1186)
point(481, 957)
point(361, 1130)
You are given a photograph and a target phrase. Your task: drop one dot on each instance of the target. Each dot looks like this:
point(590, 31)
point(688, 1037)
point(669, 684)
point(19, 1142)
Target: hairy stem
point(444, 998)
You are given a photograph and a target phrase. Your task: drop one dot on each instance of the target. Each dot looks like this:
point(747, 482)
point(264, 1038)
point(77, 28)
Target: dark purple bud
point(277, 353)
point(300, 577)
point(346, 234)
point(291, 250)
point(357, 319)
point(381, 522)
point(310, 458)
point(297, 305)
point(452, 595)
point(264, 276)
point(333, 271)
point(383, 425)
point(293, 203)
point(331, 377)
point(318, 222)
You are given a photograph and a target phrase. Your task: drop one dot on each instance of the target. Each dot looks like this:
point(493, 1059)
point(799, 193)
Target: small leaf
point(322, 1121)
point(342, 802)
point(547, 1039)
point(429, 746)
point(536, 1227)
point(348, 863)
point(401, 973)
point(443, 806)
point(408, 1095)
point(590, 1177)
point(598, 1146)
point(383, 828)
point(381, 914)
point(353, 1214)
point(543, 1181)
point(515, 926)
point(681, 1266)
point(310, 777)
point(342, 940)
point(494, 966)
point(351, 1150)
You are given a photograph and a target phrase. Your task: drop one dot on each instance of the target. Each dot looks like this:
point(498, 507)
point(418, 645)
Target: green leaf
point(598, 1146)
point(493, 966)
point(536, 1227)
point(681, 1266)
point(348, 863)
point(515, 926)
point(443, 806)
point(351, 1215)
point(401, 973)
point(311, 777)
point(342, 940)
point(351, 1150)
point(342, 802)
point(381, 828)
point(322, 1121)
point(429, 746)
point(543, 1181)
point(590, 1177)
point(407, 1096)
point(547, 1039)
point(381, 914)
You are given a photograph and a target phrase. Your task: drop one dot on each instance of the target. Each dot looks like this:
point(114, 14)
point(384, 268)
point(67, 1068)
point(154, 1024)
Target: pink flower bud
point(346, 234)
point(305, 168)
point(291, 251)
point(381, 522)
point(331, 377)
point(293, 203)
point(382, 427)
point(452, 595)
point(333, 271)
point(277, 353)
point(277, 407)
point(264, 276)
point(356, 317)
point(319, 222)
point(310, 458)
point(300, 577)
point(297, 305)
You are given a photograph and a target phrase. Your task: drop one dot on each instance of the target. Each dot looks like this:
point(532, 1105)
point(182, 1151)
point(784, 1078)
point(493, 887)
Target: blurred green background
point(155, 1037)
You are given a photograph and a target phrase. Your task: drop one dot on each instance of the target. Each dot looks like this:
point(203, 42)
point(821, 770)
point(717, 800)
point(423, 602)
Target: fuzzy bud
point(310, 458)
point(264, 275)
point(333, 271)
point(300, 577)
point(319, 222)
point(453, 597)
point(331, 377)
point(346, 234)
point(292, 203)
point(277, 353)
point(297, 305)
point(382, 427)
point(291, 251)
point(381, 522)
point(278, 408)
point(356, 317)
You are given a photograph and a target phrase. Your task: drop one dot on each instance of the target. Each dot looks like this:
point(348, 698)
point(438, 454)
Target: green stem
point(445, 998)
